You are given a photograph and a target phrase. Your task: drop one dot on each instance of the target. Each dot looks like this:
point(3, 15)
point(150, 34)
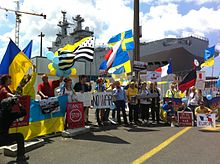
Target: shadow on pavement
point(136, 129)
point(15, 162)
point(101, 138)
point(103, 128)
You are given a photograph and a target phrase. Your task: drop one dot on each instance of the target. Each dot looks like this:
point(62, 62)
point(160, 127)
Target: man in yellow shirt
point(201, 109)
point(172, 92)
point(131, 94)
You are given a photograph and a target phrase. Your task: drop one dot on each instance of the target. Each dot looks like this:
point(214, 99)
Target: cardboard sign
point(153, 76)
point(85, 97)
point(206, 120)
point(102, 100)
point(49, 105)
point(23, 121)
point(185, 118)
point(75, 115)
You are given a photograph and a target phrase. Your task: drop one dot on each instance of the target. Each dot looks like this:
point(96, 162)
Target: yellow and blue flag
point(209, 57)
point(127, 40)
point(27, 51)
point(15, 63)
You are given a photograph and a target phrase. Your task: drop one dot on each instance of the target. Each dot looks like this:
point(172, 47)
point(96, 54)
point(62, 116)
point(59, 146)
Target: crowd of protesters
point(142, 101)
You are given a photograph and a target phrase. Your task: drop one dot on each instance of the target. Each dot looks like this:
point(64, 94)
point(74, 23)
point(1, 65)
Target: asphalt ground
point(112, 144)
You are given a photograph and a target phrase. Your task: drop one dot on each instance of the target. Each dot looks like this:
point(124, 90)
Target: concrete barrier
point(11, 150)
point(74, 132)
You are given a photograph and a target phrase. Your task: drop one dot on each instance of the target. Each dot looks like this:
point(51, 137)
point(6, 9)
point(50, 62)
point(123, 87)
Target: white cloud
point(165, 19)
point(161, 2)
point(106, 18)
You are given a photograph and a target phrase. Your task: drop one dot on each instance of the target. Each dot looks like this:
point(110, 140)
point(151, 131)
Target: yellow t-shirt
point(131, 93)
point(205, 110)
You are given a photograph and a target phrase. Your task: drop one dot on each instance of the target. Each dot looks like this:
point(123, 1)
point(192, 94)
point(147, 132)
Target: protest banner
point(85, 97)
point(102, 100)
point(75, 115)
point(49, 105)
point(23, 121)
point(206, 120)
point(176, 102)
point(185, 118)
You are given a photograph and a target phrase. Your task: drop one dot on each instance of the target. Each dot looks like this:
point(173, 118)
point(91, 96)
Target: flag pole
point(212, 81)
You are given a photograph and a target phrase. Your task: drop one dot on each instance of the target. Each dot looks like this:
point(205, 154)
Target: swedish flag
point(127, 43)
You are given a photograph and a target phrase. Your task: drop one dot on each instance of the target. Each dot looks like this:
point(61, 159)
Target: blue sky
point(159, 19)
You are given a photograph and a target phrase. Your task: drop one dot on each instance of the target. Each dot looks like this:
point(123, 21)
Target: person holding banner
point(144, 102)
point(131, 93)
point(46, 88)
point(193, 100)
point(120, 99)
point(201, 109)
point(67, 89)
point(82, 87)
point(100, 88)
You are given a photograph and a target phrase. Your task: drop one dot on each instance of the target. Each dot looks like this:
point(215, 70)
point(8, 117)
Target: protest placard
point(50, 105)
point(75, 115)
point(23, 121)
point(102, 100)
point(185, 118)
point(206, 120)
point(85, 97)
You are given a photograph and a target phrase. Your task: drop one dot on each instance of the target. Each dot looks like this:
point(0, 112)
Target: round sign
point(75, 115)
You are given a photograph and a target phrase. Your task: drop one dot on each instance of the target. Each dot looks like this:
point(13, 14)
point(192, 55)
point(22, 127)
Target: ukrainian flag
point(15, 63)
point(43, 124)
point(28, 49)
point(209, 57)
point(127, 43)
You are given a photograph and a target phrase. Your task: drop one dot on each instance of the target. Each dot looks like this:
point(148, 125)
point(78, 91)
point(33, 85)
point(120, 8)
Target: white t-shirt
point(71, 96)
point(193, 99)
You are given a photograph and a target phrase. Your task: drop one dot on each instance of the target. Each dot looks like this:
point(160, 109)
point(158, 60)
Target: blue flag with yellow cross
point(127, 40)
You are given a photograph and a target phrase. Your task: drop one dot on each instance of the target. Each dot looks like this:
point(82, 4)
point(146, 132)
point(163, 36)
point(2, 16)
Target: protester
point(200, 95)
point(144, 102)
point(100, 88)
point(170, 112)
point(157, 102)
point(184, 107)
point(120, 99)
point(82, 87)
point(201, 109)
point(172, 92)
point(131, 93)
point(193, 100)
point(110, 89)
point(67, 89)
point(46, 88)
point(4, 89)
point(7, 116)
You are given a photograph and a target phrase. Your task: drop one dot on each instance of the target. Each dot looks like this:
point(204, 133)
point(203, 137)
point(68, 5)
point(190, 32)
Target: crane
point(18, 14)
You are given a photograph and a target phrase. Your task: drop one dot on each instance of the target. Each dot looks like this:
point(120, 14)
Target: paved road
point(112, 145)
